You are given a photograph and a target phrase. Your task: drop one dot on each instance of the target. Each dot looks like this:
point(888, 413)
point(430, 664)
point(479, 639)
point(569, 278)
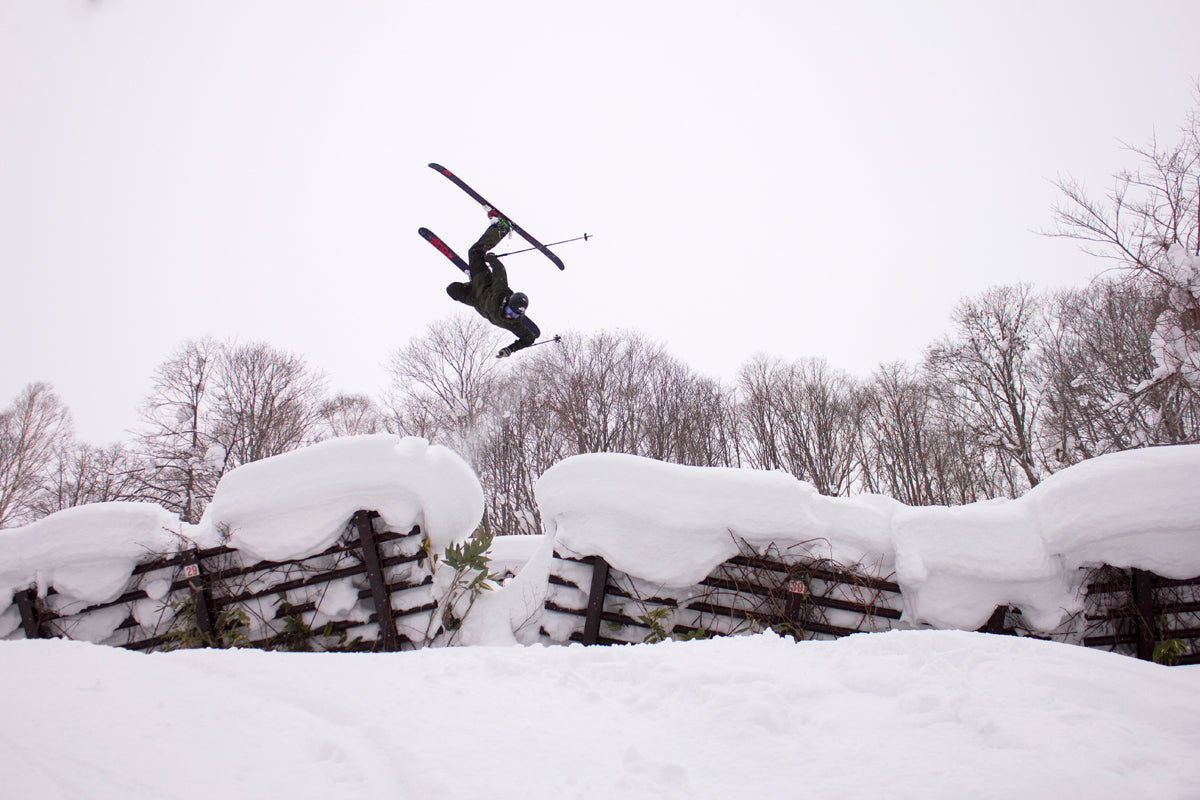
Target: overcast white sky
point(795, 178)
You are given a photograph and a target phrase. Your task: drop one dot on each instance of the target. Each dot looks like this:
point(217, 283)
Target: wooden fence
point(1126, 611)
point(371, 590)
point(1142, 614)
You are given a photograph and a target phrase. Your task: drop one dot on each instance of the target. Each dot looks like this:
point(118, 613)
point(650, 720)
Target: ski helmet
point(517, 303)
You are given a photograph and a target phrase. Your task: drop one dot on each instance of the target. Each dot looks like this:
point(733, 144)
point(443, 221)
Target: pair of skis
point(445, 250)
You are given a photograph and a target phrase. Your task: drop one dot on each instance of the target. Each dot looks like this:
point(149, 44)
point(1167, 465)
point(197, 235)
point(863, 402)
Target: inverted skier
point(488, 293)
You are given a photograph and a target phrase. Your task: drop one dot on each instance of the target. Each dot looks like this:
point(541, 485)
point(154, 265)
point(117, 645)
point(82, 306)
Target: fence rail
point(1126, 611)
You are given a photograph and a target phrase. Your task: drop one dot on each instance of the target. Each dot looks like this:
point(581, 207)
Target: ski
point(443, 248)
point(457, 181)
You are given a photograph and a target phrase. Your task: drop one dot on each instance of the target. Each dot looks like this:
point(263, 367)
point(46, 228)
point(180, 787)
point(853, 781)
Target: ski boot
point(501, 224)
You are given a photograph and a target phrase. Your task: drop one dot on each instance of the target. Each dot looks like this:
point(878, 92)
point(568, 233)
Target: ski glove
point(504, 353)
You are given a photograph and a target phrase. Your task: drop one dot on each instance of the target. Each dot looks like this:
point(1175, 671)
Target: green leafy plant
point(654, 619)
point(471, 578)
point(1168, 652)
point(694, 635)
point(299, 636)
point(229, 628)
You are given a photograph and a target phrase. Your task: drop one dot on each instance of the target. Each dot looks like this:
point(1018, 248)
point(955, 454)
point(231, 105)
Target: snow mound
point(298, 503)
point(1138, 508)
point(86, 552)
point(672, 525)
point(956, 565)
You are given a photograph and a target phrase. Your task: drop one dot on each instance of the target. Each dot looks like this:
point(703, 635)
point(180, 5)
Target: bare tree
point(264, 403)
point(622, 393)
point(989, 370)
point(86, 474)
point(713, 436)
point(593, 386)
point(520, 442)
point(444, 382)
point(1100, 392)
point(350, 415)
point(683, 417)
point(900, 442)
point(448, 387)
point(176, 433)
point(609, 392)
point(33, 430)
point(1149, 224)
point(912, 452)
point(804, 418)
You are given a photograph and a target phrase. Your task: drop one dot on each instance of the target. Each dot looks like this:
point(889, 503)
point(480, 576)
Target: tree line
point(1024, 384)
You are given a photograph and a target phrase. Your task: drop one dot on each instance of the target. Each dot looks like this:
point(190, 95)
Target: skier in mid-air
point(488, 291)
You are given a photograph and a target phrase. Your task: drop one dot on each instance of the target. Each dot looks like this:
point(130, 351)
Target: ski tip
point(439, 168)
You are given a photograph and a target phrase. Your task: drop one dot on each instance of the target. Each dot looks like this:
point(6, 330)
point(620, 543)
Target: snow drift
point(672, 525)
point(86, 552)
point(287, 507)
point(298, 503)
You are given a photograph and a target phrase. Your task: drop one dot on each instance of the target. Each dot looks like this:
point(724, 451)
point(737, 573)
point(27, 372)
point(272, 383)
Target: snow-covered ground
point(910, 713)
point(906, 714)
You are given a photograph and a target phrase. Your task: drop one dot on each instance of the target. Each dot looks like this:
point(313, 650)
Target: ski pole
point(585, 237)
point(555, 338)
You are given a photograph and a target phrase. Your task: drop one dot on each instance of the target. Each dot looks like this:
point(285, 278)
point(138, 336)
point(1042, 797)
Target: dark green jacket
point(488, 290)
point(491, 293)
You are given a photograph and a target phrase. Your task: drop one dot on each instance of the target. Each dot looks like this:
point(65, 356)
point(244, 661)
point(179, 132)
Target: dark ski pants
point(481, 276)
point(478, 252)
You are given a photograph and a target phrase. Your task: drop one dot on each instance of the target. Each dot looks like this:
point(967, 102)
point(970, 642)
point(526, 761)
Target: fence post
point(27, 605)
point(389, 639)
point(797, 590)
point(595, 607)
point(995, 623)
point(1143, 603)
point(193, 571)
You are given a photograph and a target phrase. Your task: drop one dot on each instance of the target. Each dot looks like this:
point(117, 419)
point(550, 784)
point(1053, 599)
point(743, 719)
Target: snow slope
point(906, 714)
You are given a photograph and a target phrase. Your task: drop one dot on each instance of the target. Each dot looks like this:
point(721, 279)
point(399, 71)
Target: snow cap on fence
point(298, 503)
point(673, 525)
point(86, 552)
point(1138, 508)
point(956, 564)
